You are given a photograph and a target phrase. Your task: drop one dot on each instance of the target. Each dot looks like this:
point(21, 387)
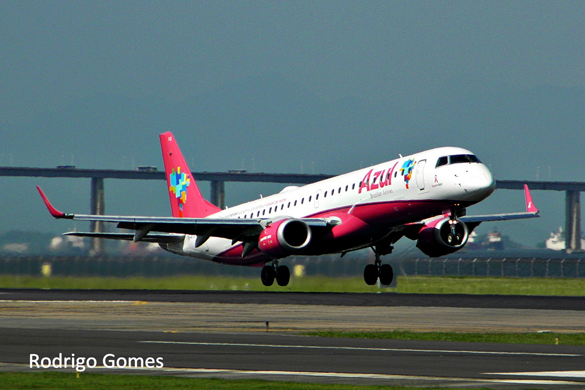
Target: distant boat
point(494, 240)
point(556, 241)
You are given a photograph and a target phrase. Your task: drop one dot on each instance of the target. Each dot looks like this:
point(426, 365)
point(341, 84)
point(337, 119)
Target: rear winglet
point(530, 207)
point(54, 212)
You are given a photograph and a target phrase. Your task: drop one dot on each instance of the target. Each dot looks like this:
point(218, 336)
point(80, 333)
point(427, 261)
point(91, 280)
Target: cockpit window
point(463, 158)
point(457, 159)
point(442, 161)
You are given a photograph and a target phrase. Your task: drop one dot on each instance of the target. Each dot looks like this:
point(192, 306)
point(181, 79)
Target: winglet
point(54, 212)
point(530, 207)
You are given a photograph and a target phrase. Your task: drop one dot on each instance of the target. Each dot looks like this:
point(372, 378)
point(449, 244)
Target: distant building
point(67, 243)
point(19, 248)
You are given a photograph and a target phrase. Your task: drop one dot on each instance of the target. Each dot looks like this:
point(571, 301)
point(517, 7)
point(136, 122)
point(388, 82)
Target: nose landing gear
point(274, 271)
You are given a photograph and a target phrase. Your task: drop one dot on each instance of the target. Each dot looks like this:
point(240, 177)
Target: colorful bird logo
point(179, 183)
point(406, 170)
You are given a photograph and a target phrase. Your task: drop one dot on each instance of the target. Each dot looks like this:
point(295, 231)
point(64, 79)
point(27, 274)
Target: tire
point(371, 274)
point(282, 275)
point(386, 274)
point(267, 275)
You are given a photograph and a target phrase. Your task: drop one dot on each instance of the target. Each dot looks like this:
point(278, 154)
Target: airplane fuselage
point(367, 204)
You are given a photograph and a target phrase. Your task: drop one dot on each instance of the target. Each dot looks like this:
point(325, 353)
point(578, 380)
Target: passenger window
point(339, 190)
point(263, 211)
point(282, 206)
point(302, 200)
point(325, 194)
point(353, 186)
point(295, 203)
point(310, 198)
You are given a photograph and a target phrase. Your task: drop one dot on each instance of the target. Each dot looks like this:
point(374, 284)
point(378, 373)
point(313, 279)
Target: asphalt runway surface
point(259, 335)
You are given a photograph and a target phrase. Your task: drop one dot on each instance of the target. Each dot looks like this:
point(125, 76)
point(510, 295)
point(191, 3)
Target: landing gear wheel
point(282, 275)
point(268, 274)
point(386, 274)
point(371, 274)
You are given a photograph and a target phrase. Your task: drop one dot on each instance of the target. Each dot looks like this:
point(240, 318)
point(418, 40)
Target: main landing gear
point(274, 271)
point(378, 270)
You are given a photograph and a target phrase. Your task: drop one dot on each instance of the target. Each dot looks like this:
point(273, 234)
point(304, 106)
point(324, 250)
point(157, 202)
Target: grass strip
point(505, 338)
point(89, 381)
point(420, 285)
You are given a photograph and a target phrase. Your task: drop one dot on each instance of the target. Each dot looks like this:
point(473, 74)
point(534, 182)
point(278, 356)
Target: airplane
point(423, 197)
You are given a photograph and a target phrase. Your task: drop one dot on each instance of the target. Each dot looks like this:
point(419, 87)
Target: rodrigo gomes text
point(81, 363)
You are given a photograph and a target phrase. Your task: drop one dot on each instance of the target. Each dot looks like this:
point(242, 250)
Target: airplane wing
point(531, 212)
point(234, 229)
point(157, 238)
point(411, 230)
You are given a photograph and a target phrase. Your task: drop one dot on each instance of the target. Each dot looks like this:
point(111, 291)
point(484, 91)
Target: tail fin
point(186, 199)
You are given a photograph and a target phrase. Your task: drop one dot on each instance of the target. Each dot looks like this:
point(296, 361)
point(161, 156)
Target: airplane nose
point(480, 185)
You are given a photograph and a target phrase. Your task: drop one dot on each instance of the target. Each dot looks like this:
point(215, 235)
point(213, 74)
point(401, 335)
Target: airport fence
point(159, 266)
point(495, 267)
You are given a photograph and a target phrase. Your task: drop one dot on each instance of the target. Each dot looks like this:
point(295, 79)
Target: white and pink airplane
point(423, 197)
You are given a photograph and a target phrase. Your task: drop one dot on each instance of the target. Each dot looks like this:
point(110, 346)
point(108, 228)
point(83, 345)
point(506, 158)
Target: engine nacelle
point(442, 237)
point(284, 238)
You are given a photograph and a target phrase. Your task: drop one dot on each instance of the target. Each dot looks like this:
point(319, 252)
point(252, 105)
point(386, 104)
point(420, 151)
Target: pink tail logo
point(179, 183)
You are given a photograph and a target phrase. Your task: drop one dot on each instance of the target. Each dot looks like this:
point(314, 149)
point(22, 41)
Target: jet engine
point(442, 237)
point(284, 238)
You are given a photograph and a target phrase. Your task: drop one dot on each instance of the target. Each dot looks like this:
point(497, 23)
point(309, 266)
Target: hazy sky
point(54, 52)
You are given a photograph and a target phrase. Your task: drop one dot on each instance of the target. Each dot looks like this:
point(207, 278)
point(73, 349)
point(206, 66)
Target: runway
point(258, 335)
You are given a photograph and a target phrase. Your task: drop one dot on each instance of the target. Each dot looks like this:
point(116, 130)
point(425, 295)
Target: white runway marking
point(344, 375)
point(363, 349)
point(222, 372)
point(552, 374)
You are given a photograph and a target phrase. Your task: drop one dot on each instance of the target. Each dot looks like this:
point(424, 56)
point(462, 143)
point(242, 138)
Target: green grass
point(507, 338)
point(420, 285)
point(503, 286)
point(87, 381)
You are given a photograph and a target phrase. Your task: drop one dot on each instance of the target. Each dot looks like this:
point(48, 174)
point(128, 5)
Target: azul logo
point(406, 170)
point(374, 180)
point(179, 183)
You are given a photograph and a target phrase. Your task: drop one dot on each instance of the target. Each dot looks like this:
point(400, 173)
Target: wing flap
point(157, 238)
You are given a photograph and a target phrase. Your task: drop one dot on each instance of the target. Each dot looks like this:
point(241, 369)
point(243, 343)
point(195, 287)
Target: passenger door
point(420, 174)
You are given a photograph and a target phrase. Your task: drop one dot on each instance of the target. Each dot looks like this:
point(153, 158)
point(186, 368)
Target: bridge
point(218, 179)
